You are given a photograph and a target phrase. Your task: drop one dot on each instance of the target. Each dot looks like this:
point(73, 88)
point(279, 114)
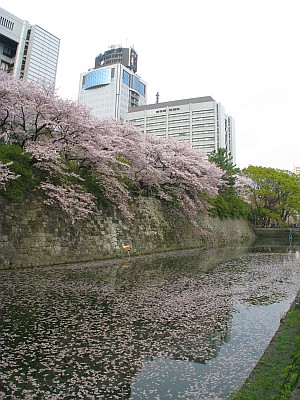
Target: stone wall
point(33, 234)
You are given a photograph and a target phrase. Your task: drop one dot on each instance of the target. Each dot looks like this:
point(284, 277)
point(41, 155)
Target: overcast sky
point(243, 53)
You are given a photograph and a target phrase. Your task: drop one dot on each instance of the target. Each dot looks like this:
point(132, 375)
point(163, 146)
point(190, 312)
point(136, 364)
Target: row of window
point(4, 65)
point(7, 51)
point(178, 128)
point(39, 42)
point(153, 130)
point(40, 76)
point(133, 82)
point(197, 136)
point(174, 135)
point(165, 110)
point(210, 132)
point(202, 139)
point(203, 125)
point(45, 52)
point(178, 119)
point(195, 115)
point(137, 120)
point(46, 37)
point(158, 123)
point(156, 117)
point(210, 111)
point(203, 146)
point(203, 118)
point(98, 103)
point(175, 119)
point(204, 111)
point(42, 63)
point(8, 24)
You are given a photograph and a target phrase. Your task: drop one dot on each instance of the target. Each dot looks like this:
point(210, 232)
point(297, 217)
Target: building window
point(97, 78)
point(7, 51)
point(126, 78)
point(142, 90)
point(5, 22)
point(161, 111)
point(135, 83)
point(4, 66)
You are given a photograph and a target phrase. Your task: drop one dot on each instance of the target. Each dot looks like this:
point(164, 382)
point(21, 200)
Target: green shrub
point(29, 175)
point(229, 205)
point(88, 181)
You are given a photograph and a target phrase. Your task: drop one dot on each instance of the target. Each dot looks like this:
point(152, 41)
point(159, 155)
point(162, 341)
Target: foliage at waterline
point(276, 374)
point(274, 195)
point(229, 202)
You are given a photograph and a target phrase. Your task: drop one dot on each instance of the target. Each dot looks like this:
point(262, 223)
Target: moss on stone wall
point(33, 234)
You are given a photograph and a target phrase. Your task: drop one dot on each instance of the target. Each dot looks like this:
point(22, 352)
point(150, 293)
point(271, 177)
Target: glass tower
point(27, 51)
point(113, 86)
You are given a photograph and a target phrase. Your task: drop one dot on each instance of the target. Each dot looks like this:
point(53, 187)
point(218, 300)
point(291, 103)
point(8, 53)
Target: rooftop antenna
point(157, 97)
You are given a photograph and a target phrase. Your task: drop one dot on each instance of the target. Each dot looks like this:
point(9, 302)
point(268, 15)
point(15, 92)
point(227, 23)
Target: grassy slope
point(276, 374)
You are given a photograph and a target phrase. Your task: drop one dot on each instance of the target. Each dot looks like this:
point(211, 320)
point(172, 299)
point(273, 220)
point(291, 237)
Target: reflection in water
point(168, 378)
point(186, 326)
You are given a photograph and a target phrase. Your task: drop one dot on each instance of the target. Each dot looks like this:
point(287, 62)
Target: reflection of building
point(201, 122)
point(113, 86)
point(27, 51)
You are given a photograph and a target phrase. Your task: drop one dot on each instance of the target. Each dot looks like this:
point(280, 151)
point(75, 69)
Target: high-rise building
point(112, 86)
point(27, 51)
point(201, 122)
point(297, 169)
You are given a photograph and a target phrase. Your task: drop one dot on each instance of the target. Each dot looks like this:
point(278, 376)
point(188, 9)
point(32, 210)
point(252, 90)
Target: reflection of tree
point(174, 307)
point(89, 329)
point(80, 330)
point(187, 321)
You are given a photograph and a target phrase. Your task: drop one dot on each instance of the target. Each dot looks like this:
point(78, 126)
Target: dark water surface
point(187, 326)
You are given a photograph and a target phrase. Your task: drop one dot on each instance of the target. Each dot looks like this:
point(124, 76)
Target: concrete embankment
point(278, 235)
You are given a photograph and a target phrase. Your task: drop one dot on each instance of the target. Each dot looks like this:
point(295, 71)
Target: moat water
point(189, 325)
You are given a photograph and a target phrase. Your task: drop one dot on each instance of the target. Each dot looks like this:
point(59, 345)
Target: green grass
point(276, 374)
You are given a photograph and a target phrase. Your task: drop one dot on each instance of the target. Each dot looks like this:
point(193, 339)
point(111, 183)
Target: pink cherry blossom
point(5, 174)
point(124, 162)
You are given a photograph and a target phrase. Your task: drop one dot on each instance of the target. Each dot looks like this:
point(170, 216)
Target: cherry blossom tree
point(5, 174)
point(61, 134)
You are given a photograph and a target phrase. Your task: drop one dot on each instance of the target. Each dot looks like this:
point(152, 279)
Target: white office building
point(113, 86)
point(201, 122)
point(297, 169)
point(27, 51)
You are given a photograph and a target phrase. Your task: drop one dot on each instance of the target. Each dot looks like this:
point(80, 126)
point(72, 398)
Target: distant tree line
point(267, 196)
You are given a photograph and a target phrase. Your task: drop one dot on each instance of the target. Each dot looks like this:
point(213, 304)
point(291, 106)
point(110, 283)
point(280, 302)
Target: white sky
point(243, 53)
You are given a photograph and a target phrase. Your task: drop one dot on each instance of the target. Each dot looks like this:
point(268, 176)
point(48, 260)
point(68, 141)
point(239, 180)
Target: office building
point(27, 51)
point(201, 122)
point(112, 86)
point(297, 169)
